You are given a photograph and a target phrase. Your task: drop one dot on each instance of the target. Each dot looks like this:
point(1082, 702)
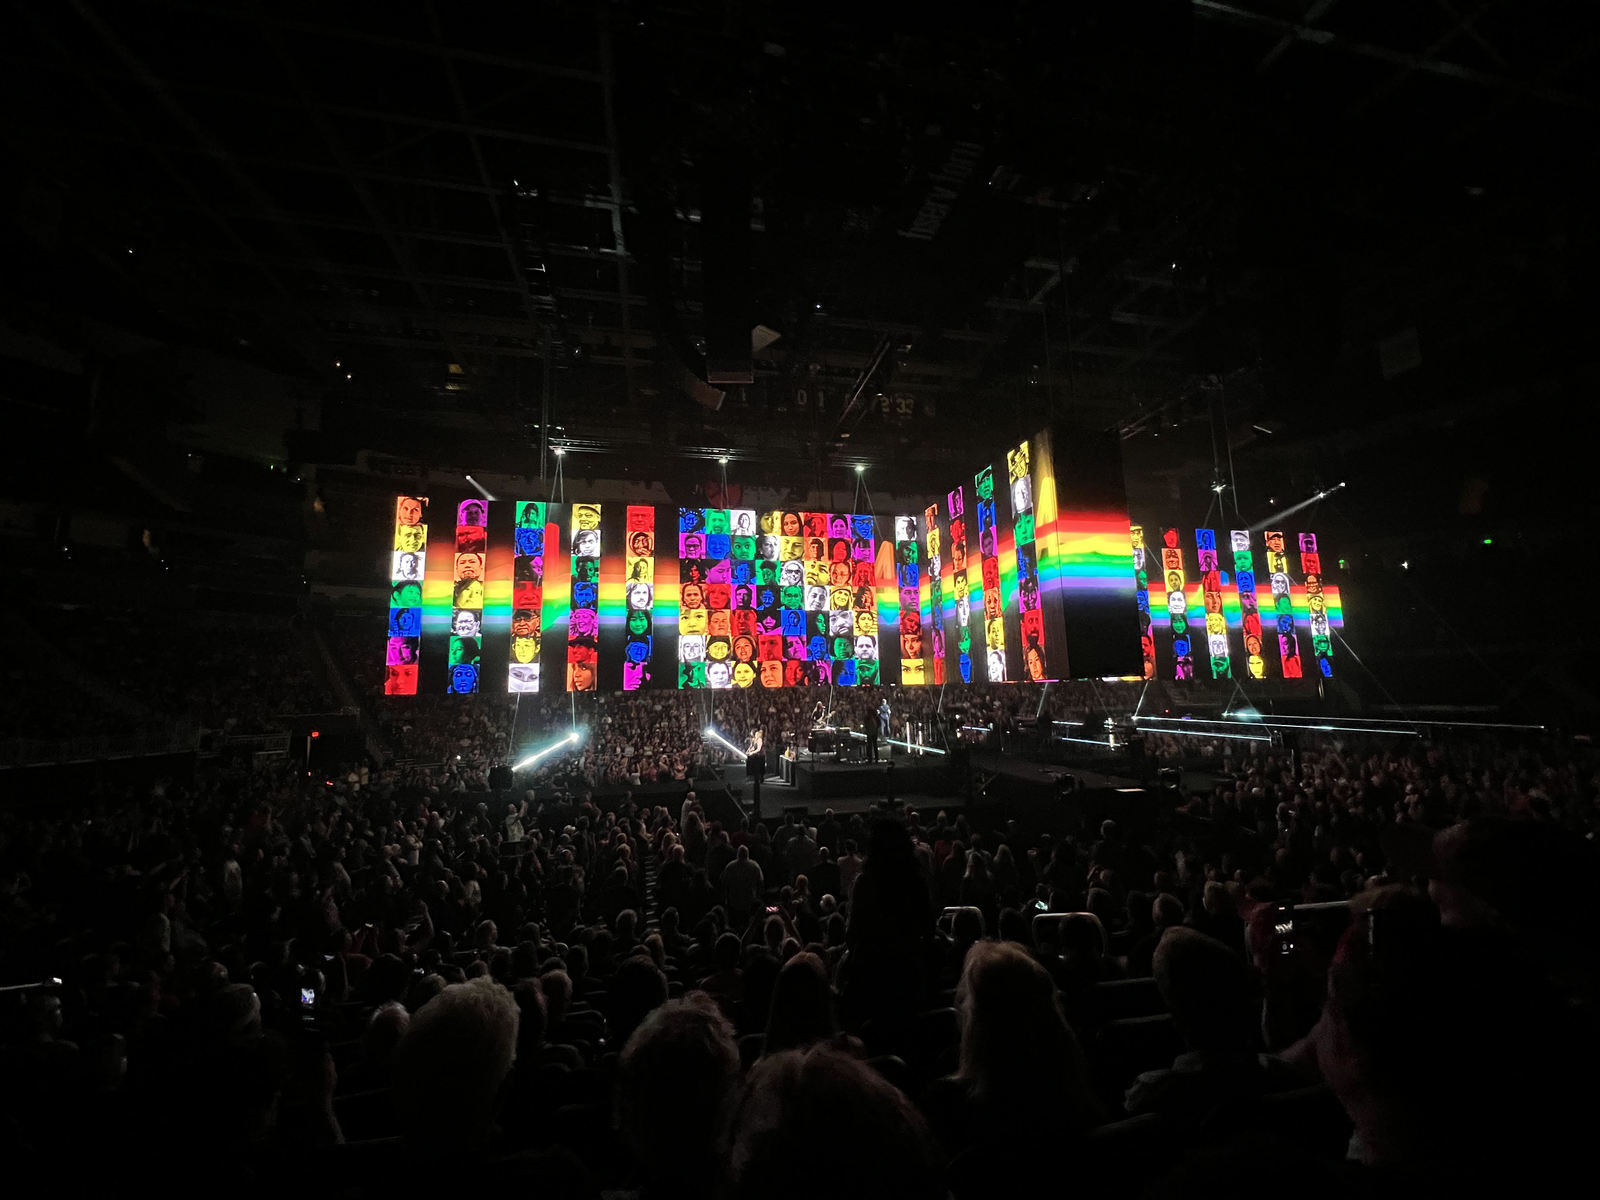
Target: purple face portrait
point(585, 622)
point(402, 651)
point(795, 648)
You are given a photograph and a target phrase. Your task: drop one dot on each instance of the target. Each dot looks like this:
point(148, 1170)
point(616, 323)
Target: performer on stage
point(753, 745)
point(819, 714)
point(755, 769)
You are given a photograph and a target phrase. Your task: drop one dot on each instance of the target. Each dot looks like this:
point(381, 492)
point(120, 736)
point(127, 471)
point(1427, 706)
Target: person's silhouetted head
point(449, 1065)
point(802, 1006)
point(819, 1120)
point(1209, 990)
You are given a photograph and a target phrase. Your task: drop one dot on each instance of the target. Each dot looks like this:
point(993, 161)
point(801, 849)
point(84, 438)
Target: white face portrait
point(792, 574)
point(523, 677)
point(719, 675)
point(866, 648)
point(691, 648)
point(905, 529)
point(997, 666)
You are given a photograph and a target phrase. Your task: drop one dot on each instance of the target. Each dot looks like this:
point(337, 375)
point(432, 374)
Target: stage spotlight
point(717, 737)
point(551, 749)
point(723, 459)
point(559, 450)
point(912, 746)
point(861, 468)
point(482, 491)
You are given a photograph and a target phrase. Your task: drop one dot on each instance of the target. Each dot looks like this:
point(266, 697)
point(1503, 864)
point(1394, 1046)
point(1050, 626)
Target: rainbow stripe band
point(407, 568)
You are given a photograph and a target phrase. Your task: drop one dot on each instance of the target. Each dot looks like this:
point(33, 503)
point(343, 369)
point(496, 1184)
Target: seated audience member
point(636, 989)
point(802, 1006)
point(1450, 1056)
point(1021, 1069)
point(674, 1078)
point(449, 1065)
point(822, 1122)
point(1215, 1007)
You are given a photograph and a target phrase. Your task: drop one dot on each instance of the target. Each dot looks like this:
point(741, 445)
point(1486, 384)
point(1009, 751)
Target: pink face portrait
point(585, 623)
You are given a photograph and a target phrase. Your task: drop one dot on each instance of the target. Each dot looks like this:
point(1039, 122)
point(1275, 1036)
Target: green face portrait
point(964, 639)
point(867, 671)
point(984, 484)
point(586, 570)
point(843, 647)
point(1220, 669)
point(463, 650)
point(1141, 579)
point(1024, 529)
point(791, 597)
point(717, 520)
point(744, 547)
point(911, 552)
point(638, 622)
point(692, 675)
point(530, 514)
point(766, 572)
point(1321, 646)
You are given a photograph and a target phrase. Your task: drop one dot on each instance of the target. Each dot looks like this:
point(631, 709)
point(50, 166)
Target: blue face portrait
point(1247, 581)
point(817, 650)
point(910, 575)
point(691, 520)
point(1180, 647)
point(794, 623)
point(639, 650)
point(530, 542)
point(718, 546)
point(463, 678)
point(1285, 624)
point(844, 672)
point(1325, 665)
point(743, 572)
point(405, 622)
point(862, 527)
point(585, 595)
point(1143, 599)
point(964, 665)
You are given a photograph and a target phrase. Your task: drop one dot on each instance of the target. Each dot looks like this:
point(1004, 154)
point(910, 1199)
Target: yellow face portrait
point(410, 537)
point(468, 566)
point(933, 542)
point(585, 516)
point(525, 649)
point(816, 573)
point(1136, 535)
point(743, 675)
point(717, 649)
point(866, 624)
point(692, 620)
point(839, 598)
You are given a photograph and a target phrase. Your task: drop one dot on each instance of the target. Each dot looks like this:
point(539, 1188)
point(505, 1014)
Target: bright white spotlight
point(529, 760)
point(723, 459)
point(559, 450)
point(717, 737)
point(861, 468)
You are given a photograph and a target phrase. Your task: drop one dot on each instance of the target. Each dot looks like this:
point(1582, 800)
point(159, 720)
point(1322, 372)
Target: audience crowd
point(1363, 966)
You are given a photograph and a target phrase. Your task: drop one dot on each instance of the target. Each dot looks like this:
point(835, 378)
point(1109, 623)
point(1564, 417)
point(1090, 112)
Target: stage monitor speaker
point(500, 779)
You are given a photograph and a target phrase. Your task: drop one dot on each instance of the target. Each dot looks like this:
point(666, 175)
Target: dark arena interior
point(724, 600)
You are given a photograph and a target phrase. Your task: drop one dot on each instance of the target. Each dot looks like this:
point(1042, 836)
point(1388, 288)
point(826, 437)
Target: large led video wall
point(1212, 607)
point(1020, 571)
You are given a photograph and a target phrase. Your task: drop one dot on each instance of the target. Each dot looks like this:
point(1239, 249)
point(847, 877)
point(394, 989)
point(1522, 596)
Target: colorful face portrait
point(867, 623)
point(640, 596)
point(522, 677)
point(991, 605)
point(1021, 495)
point(690, 519)
point(469, 566)
point(530, 514)
point(642, 544)
point(771, 673)
point(469, 594)
point(400, 680)
point(789, 525)
point(581, 674)
point(523, 623)
point(692, 596)
point(839, 574)
point(402, 650)
point(744, 674)
point(841, 623)
point(744, 649)
point(463, 650)
point(635, 675)
point(692, 675)
point(840, 597)
point(866, 648)
point(466, 622)
point(718, 595)
point(407, 565)
point(405, 622)
point(405, 595)
point(410, 537)
point(718, 624)
point(408, 510)
point(525, 649)
point(718, 675)
point(717, 647)
point(471, 539)
point(791, 596)
point(463, 679)
point(1033, 657)
point(527, 595)
point(638, 622)
point(692, 620)
point(1274, 541)
point(585, 516)
point(994, 633)
point(584, 623)
point(716, 520)
point(691, 648)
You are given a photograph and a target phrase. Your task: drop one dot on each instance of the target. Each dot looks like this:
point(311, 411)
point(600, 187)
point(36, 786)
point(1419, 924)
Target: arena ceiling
point(1319, 225)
